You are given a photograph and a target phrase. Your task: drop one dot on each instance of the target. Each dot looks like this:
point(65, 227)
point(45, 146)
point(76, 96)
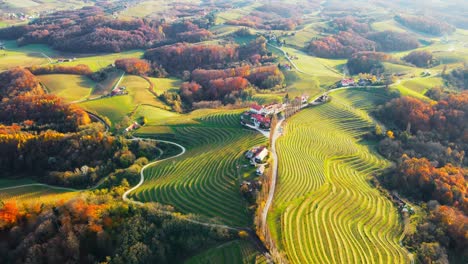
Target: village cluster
point(259, 116)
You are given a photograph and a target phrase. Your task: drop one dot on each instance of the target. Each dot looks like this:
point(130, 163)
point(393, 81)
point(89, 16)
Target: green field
point(315, 66)
point(234, 252)
point(421, 85)
point(34, 194)
point(117, 107)
point(68, 86)
point(26, 56)
point(165, 84)
point(204, 180)
point(325, 209)
point(99, 61)
point(154, 115)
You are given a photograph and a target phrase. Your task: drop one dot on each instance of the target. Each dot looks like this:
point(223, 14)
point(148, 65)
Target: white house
point(260, 170)
point(261, 154)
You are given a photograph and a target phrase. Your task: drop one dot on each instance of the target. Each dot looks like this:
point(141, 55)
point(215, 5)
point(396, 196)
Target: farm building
point(257, 109)
point(347, 82)
point(260, 170)
point(256, 120)
point(118, 91)
point(261, 154)
point(132, 127)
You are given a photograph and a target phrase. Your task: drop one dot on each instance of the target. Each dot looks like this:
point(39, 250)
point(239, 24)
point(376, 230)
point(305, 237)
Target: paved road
point(142, 175)
point(273, 177)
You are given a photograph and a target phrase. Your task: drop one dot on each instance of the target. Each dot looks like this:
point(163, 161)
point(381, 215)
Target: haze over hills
point(241, 131)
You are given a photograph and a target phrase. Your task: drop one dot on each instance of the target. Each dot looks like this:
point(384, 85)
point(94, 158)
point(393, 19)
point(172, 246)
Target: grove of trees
point(342, 45)
point(425, 24)
point(419, 58)
point(228, 85)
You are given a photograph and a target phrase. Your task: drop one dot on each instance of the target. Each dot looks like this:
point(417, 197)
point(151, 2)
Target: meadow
point(325, 209)
point(68, 86)
point(14, 56)
point(33, 194)
point(139, 96)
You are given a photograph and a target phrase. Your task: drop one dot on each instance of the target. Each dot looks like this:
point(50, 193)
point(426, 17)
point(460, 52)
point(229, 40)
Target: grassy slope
point(97, 62)
point(117, 107)
point(68, 86)
point(33, 194)
point(29, 55)
point(326, 209)
point(203, 181)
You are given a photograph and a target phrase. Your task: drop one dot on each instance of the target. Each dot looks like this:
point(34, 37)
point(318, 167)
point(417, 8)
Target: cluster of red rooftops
point(259, 116)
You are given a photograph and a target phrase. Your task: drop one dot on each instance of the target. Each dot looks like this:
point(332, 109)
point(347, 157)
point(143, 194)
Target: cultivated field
point(232, 252)
point(325, 210)
point(205, 180)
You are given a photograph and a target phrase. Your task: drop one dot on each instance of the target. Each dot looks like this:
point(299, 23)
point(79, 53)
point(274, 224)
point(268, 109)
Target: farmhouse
point(347, 82)
point(256, 109)
point(261, 154)
point(251, 153)
point(256, 154)
point(272, 109)
point(260, 170)
point(132, 127)
point(119, 91)
point(260, 116)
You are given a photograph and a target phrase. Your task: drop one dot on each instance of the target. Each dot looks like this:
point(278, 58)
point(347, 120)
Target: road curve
point(142, 175)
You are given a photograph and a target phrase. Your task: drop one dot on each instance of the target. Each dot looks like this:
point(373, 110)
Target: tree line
point(97, 228)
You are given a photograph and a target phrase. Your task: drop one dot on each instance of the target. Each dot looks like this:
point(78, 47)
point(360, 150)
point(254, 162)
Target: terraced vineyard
point(233, 252)
point(204, 180)
point(325, 210)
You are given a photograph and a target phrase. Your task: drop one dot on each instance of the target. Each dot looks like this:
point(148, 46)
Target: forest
point(97, 228)
point(428, 143)
point(56, 142)
point(228, 85)
point(425, 24)
point(367, 62)
point(349, 36)
point(182, 57)
point(273, 16)
point(89, 30)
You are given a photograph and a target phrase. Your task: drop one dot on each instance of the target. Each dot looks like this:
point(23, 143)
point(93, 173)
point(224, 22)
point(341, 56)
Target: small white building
point(261, 155)
point(260, 170)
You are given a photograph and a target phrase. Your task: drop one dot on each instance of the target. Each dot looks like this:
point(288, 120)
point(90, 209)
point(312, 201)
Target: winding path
point(142, 175)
